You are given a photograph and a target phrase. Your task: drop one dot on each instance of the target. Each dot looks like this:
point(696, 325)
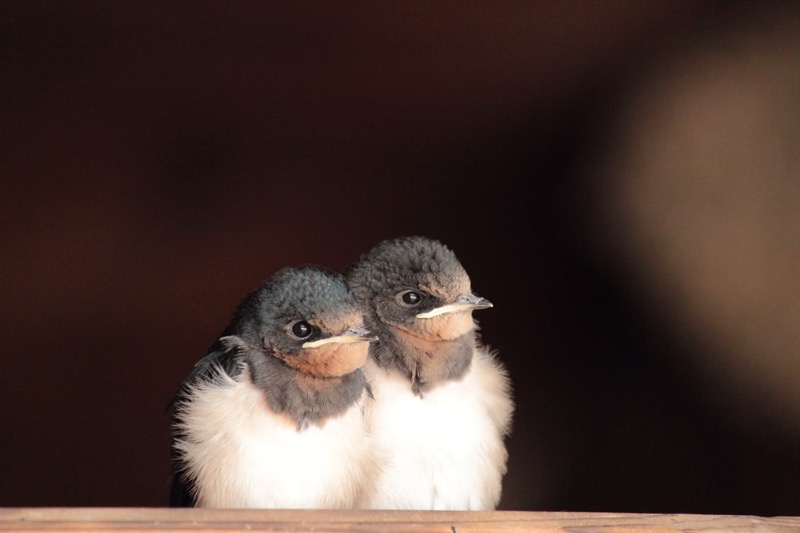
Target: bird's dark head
point(307, 318)
point(416, 285)
point(416, 295)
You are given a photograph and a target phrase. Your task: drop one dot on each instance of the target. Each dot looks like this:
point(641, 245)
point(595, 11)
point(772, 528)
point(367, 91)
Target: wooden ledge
point(162, 519)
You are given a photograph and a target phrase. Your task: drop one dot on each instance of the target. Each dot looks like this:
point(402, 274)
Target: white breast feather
point(444, 451)
point(242, 454)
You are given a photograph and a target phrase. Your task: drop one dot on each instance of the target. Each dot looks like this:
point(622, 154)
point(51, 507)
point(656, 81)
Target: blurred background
point(620, 178)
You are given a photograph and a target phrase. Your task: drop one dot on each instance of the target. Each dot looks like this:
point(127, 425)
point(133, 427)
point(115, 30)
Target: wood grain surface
point(157, 519)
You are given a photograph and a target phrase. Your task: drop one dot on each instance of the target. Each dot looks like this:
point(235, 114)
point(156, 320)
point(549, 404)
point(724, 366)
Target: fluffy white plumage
point(444, 450)
point(242, 454)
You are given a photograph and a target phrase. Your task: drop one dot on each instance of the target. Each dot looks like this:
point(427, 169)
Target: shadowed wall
point(159, 160)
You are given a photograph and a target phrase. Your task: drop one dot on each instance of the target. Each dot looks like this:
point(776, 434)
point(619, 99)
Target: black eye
point(410, 297)
point(301, 329)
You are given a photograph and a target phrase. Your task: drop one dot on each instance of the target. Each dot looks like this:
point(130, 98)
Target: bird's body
point(272, 417)
point(443, 450)
point(255, 458)
point(442, 404)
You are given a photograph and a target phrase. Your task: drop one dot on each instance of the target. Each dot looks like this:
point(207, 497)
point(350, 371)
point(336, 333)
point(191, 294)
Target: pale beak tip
point(483, 303)
point(479, 303)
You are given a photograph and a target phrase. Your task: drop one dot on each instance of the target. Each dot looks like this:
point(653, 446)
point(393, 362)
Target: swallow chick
point(442, 403)
point(272, 416)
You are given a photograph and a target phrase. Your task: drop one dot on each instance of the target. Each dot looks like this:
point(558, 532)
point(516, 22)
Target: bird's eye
point(410, 298)
point(301, 329)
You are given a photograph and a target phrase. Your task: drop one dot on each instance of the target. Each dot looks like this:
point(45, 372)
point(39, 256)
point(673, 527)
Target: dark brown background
point(159, 159)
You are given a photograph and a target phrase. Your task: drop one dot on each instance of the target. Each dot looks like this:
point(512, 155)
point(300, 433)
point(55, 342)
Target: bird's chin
point(445, 327)
point(331, 360)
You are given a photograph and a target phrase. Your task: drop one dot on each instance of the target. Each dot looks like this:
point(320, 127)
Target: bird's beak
point(466, 302)
point(357, 334)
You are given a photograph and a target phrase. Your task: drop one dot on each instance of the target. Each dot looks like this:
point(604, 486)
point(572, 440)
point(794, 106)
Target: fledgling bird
point(272, 416)
point(442, 403)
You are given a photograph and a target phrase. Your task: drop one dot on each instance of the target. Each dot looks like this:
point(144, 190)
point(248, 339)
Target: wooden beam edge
point(225, 520)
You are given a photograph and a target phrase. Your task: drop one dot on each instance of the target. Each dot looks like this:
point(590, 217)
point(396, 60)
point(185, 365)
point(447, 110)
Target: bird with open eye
point(442, 402)
point(272, 416)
